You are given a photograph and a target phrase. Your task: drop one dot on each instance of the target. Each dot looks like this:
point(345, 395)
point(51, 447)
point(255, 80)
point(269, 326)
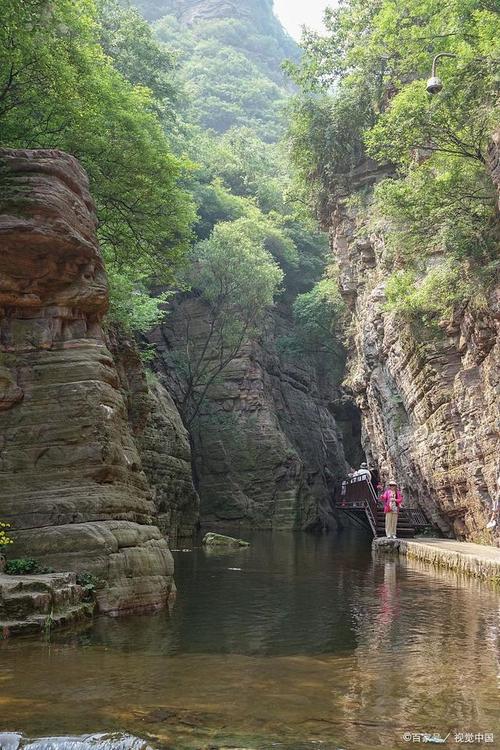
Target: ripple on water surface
point(297, 640)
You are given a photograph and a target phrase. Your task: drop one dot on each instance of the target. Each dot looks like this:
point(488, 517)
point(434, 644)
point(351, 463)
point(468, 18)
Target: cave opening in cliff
point(348, 419)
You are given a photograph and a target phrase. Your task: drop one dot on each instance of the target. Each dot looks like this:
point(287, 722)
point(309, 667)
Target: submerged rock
point(220, 540)
point(115, 741)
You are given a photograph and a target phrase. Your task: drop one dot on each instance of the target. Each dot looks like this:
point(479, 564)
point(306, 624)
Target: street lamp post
point(435, 84)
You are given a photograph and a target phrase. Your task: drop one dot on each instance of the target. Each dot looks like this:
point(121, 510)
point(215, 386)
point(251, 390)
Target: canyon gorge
point(100, 472)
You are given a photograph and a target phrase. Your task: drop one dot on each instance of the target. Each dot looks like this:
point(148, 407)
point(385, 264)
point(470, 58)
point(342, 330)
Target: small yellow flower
point(4, 538)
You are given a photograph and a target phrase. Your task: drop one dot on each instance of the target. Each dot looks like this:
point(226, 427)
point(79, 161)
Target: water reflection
point(310, 640)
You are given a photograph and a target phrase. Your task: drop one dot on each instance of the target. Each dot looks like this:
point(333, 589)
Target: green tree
point(318, 316)
point(236, 279)
point(59, 89)
point(136, 53)
point(231, 70)
point(367, 75)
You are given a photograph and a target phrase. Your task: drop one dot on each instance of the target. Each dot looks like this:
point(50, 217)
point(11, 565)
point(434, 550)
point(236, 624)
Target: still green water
point(297, 642)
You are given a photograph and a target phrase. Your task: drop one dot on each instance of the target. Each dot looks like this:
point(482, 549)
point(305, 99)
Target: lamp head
point(434, 85)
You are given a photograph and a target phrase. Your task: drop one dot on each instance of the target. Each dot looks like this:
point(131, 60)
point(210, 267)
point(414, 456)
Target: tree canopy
point(364, 94)
point(231, 72)
point(60, 87)
point(237, 280)
point(177, 128)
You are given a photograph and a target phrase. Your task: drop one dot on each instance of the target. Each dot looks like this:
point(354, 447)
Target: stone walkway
point(477, 560)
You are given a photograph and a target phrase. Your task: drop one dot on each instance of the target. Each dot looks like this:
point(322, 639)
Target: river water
point(296, 642)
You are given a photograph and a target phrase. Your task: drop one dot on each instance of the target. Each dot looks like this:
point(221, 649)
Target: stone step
point(36, 582)
point(36, 603)
point(37, 624)
point(22, 604)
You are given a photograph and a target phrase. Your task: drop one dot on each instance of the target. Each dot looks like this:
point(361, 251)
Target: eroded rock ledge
point(71, 479)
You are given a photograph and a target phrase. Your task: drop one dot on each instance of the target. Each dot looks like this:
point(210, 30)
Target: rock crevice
point(266, 444)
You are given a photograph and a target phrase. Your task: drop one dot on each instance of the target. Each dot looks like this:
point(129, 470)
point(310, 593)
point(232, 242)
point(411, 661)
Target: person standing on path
point(392, 499)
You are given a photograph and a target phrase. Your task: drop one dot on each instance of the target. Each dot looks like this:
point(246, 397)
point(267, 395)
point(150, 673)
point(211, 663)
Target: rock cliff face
point(71, 480)
point(162, 441)
point(191, 12)
point(257, 15)
point(264, 434)
point(429, 405)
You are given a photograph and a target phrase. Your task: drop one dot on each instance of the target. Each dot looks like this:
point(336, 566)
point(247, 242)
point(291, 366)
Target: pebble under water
point(297, 642)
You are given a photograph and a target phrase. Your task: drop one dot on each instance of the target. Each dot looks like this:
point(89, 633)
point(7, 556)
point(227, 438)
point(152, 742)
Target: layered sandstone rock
point(71, 480)
point(162, 441)
point(429, 403)
point(266, 445)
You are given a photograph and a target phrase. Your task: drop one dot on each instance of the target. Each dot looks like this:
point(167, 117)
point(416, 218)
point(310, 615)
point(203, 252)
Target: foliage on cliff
point(60, 89)
point(233, 92)
point(177, 129)
point(364, 94)
point(4, 537)
point(231, 71)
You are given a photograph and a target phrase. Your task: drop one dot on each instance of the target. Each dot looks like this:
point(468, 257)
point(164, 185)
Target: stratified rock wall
point(191, 12)
point(429, 403)
point(264, 435)
point(162, 441)
point(71, 480)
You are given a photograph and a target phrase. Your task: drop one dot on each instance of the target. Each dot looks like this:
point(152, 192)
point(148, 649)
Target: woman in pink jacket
point(392, 499)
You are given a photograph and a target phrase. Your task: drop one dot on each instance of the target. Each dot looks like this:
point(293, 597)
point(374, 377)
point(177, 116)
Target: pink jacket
point(386, 498)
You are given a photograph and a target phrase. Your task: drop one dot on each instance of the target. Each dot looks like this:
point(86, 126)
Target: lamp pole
point(436, 58)
point(435, 84)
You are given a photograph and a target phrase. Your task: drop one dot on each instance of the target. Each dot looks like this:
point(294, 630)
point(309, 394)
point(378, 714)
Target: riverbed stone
point(108, 741)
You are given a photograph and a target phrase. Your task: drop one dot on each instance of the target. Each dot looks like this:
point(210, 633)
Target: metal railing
point(357, 493)
point(417, 518)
